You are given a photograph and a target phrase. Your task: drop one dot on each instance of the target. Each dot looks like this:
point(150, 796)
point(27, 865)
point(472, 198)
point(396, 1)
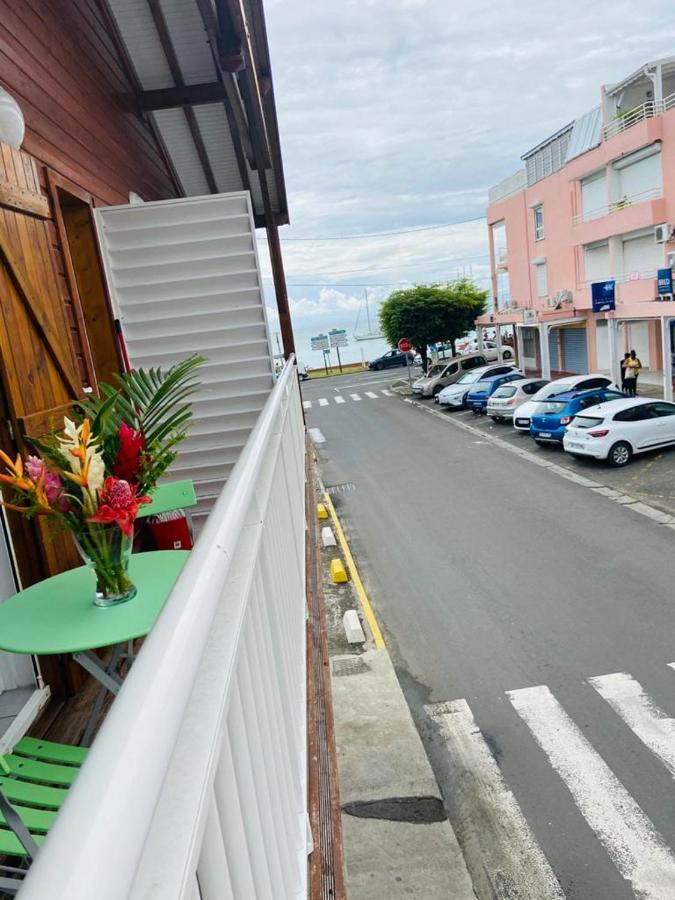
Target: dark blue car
point(552, 416)
point(482, 390)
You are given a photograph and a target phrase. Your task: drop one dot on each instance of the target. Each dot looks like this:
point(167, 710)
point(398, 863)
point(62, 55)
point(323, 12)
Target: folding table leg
point(107, 677)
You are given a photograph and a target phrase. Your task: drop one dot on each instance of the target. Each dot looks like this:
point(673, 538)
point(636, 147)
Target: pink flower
point(118, 503)
point(53, 486)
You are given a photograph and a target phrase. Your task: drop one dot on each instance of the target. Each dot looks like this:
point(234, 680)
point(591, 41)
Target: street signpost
point(405, 346)
point(320, 342)
point(338, 338)
point(664, 281)
point(603, 294)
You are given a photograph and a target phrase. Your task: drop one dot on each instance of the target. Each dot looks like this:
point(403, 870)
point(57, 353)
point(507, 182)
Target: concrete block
point(353, 628)
point(321, 511)
point(327, 537)
point(337, 571)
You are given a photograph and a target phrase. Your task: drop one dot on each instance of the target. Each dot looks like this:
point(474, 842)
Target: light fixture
point(12, 125)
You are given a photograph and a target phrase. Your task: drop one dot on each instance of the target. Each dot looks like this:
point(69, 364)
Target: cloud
point(401, 114)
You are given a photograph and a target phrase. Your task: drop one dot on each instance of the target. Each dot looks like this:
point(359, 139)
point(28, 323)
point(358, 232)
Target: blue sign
point(603, 296)
point(665, 281)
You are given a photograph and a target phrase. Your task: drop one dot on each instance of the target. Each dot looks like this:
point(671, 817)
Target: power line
point(354, 237)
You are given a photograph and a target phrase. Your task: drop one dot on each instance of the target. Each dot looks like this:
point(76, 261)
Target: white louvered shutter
point(184, 278)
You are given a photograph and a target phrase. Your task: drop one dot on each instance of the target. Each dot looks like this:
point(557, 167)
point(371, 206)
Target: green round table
point(58, 615)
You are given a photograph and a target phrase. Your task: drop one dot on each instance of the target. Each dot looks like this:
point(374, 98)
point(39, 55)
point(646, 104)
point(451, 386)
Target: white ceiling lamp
point(12, 125)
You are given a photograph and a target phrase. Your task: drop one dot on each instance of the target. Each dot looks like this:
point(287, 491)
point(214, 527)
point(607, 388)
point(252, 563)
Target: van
point(446, 372)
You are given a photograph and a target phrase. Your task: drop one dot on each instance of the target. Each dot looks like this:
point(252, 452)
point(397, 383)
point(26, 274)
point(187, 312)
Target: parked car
point(489, 350)
point(617, 431)
point(481, 391)
point(524, 413)
point(454, 396)
point(442, 374)
point(508, 397)
point(551, 418)
point(391, 359)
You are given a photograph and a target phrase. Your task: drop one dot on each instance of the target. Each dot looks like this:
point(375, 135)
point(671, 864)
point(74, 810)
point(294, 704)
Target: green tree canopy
point(431, 313)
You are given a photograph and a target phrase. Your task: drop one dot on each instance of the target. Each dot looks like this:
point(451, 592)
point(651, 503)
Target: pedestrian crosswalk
point(343, 398)
point(486, 812)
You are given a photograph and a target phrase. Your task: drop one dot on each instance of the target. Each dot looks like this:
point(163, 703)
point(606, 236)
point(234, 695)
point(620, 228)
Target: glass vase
point(107, 550)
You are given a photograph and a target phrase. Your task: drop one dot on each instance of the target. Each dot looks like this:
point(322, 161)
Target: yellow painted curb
point(356, 578)
point(321, 511)
point(337, 571)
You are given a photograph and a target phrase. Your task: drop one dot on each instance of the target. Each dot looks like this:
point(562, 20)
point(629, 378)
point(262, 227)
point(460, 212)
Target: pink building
point(593, 204)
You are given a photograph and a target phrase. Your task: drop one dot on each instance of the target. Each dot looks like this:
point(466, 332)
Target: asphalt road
point(491, 577)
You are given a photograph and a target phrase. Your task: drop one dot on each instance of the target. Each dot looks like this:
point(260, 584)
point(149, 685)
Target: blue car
point(482, 390)
point(552, 416)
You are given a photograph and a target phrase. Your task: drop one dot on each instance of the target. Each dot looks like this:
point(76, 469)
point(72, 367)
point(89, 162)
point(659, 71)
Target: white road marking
point(306, 404)
point(339, 399)
point(316, 436)
point(487, 813)
point(323, 401)
point(371, 394)
point(386, 392)
point(632, 842)
point(355, 396)
point(650, 723)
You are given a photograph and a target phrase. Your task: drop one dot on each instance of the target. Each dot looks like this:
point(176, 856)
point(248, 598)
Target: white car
point(617, 430)
point(489, 350)
point(455, 394)
point(507, 398)
point(523, 414)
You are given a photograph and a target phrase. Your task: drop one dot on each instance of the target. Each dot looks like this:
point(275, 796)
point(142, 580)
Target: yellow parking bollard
point(321, 511)
point(337, 571)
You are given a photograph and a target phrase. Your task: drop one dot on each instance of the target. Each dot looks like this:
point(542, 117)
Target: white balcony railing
point(647, 110)
point(618, 205)
point(196, 785)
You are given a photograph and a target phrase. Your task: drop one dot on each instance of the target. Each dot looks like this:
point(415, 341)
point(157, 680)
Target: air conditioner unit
point(514, 304)
point(663, 233)
point(553, 302)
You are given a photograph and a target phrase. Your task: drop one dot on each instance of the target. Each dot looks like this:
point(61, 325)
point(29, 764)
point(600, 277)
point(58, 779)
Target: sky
point(396, 115)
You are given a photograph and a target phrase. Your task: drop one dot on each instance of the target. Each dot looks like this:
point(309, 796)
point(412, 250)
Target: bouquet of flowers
point(94, 475)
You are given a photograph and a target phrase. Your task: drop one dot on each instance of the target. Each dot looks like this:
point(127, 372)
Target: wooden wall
point(59, 61)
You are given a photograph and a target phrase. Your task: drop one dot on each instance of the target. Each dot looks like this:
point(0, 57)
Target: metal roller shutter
point(574, 350)
point(553, 349)
point(184, 278)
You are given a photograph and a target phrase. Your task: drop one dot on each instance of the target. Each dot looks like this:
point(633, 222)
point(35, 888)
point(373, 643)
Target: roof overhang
point(202, 78)
point(667, 65)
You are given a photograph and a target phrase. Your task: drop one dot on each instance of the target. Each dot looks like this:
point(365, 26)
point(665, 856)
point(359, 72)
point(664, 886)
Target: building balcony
point(625, 120)
point(609, 209)
point(622, 217)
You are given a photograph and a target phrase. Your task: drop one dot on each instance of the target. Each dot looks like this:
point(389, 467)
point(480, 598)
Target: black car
point(391, 359)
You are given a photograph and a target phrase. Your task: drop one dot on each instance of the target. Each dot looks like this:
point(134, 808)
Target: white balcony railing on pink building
point(588, 215)
point(647, 110)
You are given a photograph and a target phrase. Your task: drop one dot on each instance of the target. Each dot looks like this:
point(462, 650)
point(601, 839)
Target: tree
point(431, 313)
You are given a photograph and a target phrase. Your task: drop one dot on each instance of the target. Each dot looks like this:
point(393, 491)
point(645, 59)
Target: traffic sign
point(338, 337)
point(320, 342)
point(404, 345)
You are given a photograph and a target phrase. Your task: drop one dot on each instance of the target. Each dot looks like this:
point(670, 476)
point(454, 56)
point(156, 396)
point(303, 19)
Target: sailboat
point(371, 333)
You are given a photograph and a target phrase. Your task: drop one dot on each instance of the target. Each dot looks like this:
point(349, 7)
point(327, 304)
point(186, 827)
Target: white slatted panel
point(184, 278)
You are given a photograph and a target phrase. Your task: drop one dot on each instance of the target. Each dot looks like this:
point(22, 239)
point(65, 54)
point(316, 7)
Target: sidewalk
point(397, 840)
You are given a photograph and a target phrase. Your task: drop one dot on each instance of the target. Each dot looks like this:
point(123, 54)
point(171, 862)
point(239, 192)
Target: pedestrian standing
point(623, 364)
point(633, 367)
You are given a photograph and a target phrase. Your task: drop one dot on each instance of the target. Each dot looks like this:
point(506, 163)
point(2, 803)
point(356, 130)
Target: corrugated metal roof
point(215, 129)
point(139, 34)
point(189, 39)
point(586, 133)
point(548, 140)
point(181, 148)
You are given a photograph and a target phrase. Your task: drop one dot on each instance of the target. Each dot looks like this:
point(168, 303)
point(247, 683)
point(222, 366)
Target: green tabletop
point(58, 615)
point(168, 497)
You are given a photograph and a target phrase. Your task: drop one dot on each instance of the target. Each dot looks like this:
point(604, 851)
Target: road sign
point(665, 281)
point(320, 342)
point(404, 345)
point(338, 337)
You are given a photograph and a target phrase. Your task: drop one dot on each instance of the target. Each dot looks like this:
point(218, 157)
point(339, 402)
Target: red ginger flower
point(118, 503)
point(129, 453)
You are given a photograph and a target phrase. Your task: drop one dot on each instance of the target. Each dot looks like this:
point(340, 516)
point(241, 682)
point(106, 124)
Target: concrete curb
point(398, 842)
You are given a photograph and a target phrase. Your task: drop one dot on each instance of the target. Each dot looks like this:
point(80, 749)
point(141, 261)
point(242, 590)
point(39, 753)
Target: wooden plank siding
point(62, 67)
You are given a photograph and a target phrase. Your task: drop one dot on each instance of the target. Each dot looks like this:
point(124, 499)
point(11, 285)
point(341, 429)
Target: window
point(634, 414)
point(594, 200)
point(641, 253)
point(473, 362)
point(591, 383)
point(596, 261)
point(593, 400)
point(505, 392)
point(534, 387)
point(659, 410)
point(586, 422)
point(538, 223)
point(451, 370)
point(542, 279)
point(528, 342)
point(639, 176)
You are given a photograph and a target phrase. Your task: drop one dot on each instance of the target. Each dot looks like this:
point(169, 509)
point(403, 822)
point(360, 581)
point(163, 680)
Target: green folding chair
point(34, 782)
point(169, 497)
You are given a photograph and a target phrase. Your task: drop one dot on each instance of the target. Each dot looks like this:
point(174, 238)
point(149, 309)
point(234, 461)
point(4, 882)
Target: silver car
point(447, 372)
point(509, 397)
point(454, 395)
